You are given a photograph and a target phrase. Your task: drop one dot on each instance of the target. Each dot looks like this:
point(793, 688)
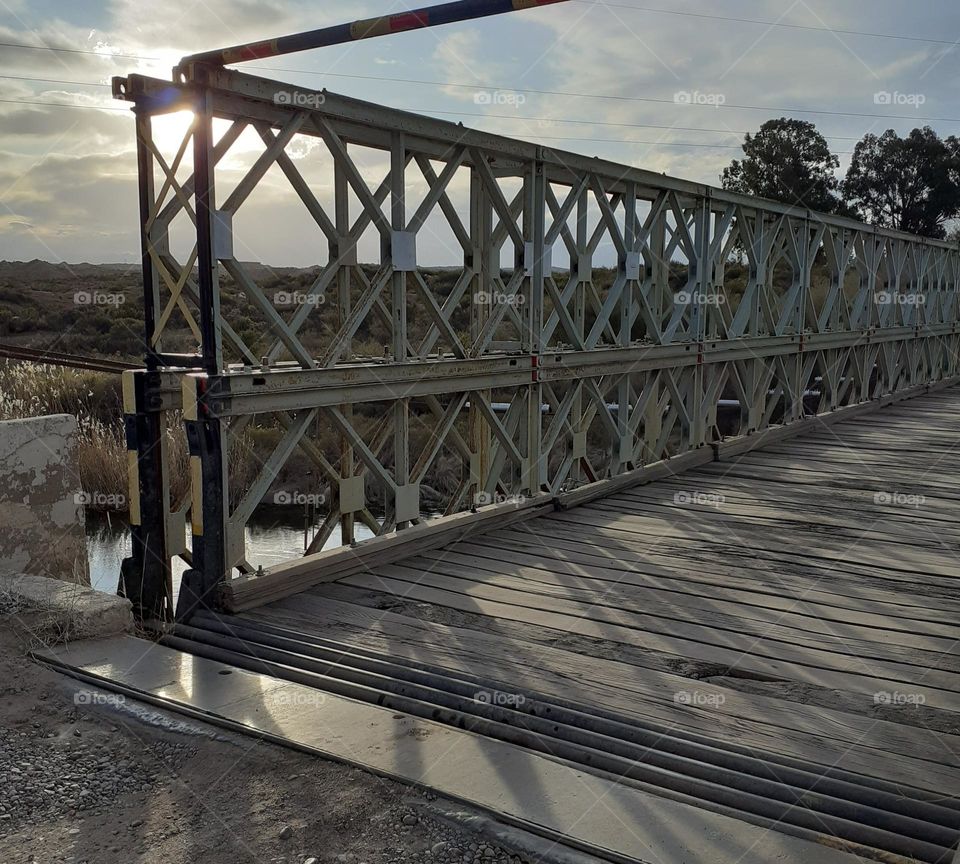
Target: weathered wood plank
point(487, 560)
point(856, 743)
point(825, 592)
point(753, 654)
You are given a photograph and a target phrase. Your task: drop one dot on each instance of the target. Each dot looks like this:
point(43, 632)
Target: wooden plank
point(901, 524)
point(873, 551)
point(921, 651)
point(767, 560)
point(841, 594)
point(796, 611)
point(636, 610)
point(647, 474)
point(784, 500)
point(758, 656)
point(824, 736)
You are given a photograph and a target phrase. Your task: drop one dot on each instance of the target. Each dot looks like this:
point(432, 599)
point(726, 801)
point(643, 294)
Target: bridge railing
point(599, 318)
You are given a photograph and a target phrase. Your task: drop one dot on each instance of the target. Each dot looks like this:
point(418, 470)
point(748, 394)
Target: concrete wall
point(41, 509)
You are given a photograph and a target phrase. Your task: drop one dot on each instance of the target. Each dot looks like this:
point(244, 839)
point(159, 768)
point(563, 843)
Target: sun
point(169, 132)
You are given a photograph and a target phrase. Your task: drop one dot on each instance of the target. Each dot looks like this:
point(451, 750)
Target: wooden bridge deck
point(802, 600)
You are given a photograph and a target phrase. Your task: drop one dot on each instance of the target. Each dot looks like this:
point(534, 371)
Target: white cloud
point(68, 179)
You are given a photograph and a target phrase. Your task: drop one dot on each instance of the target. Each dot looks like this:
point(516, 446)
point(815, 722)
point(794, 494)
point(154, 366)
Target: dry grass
point(102, 462)
point(28, 390)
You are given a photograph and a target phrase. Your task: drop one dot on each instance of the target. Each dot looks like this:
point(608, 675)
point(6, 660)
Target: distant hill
point(46, 305)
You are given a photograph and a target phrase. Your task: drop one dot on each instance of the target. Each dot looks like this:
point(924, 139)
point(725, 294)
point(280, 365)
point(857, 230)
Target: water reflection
point(271, 538)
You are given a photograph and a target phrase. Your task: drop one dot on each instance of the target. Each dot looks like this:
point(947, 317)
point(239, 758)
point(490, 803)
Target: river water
point(270, 540)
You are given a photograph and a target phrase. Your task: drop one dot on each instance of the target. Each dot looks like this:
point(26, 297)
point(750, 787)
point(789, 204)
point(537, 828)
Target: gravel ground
point(89, 778)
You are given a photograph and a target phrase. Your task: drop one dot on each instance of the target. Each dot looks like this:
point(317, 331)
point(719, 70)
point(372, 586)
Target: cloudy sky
point(670, 86)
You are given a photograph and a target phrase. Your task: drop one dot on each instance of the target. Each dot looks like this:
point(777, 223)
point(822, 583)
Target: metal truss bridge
point(762, 639)
point(537, 382)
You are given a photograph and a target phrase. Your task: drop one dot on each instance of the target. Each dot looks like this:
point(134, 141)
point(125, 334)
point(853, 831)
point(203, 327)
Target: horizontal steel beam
point(562, 166)
point(292, 389)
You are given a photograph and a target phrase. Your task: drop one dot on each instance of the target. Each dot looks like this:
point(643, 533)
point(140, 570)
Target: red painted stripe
point(259, 50)
point(409, 21)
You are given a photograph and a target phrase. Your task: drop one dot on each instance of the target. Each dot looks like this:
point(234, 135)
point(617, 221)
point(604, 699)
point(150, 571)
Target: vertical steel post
point(657, 293)
point(401, 407)
point(798, 384)
point(145, 577)
point(624, 456)
point(206, 435)
point(696, 408)
point(484, 263)
point(535, 255)
point(344, 254)
point(580, 269)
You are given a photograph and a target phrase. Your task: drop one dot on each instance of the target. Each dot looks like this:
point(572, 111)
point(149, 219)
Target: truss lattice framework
point(532, 369)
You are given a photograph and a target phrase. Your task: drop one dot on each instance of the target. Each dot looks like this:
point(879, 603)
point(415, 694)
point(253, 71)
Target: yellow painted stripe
point(133, 486)
point(128, 391)
point(188, 388)
point(196, 496)
point(370, 27)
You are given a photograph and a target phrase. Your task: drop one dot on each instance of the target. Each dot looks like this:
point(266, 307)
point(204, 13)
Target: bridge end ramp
point(547, 797)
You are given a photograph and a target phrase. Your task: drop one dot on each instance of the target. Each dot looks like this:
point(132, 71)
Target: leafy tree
point(910, 183)
point(788, 161)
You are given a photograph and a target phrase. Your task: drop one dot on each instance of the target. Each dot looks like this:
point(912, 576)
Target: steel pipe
point(367, 28)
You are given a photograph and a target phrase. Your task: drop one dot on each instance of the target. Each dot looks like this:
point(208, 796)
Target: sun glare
point(169, 131)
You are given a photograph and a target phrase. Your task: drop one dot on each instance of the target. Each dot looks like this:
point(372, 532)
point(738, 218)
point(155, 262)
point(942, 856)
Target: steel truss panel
point(711, 322)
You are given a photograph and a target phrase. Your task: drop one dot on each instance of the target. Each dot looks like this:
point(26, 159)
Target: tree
point(910, 183)
point(788, 161)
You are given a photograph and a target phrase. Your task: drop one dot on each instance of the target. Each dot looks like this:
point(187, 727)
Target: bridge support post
point(484, 260)
point(206, 434)
point(343, 253)
point(145, 576)
point(534, 215)
point(208, 508)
